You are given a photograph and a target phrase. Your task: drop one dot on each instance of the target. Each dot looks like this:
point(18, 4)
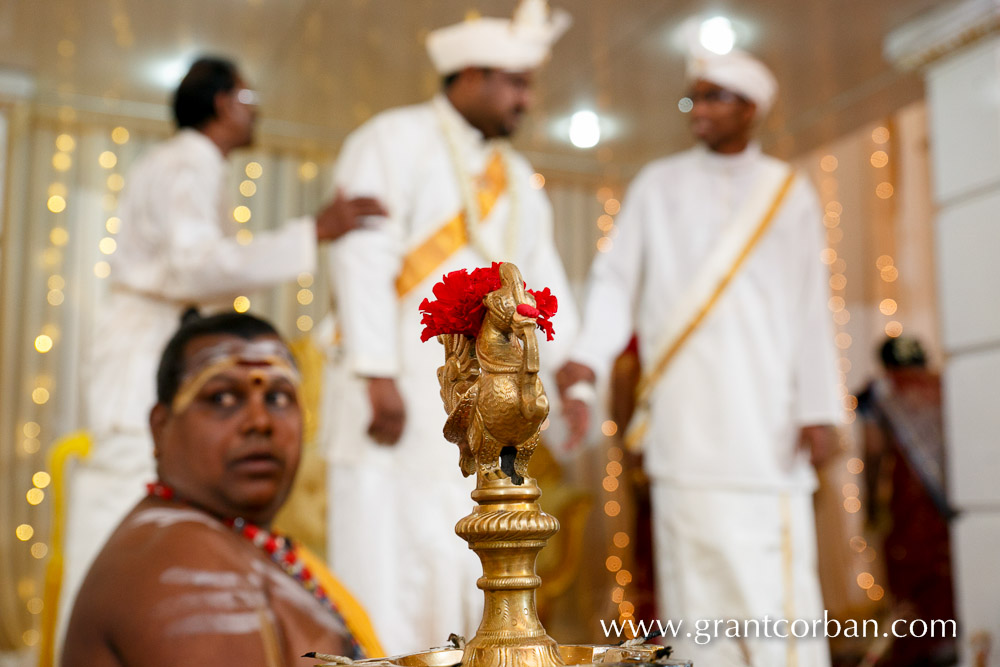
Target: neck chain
point(281, 550)
point(470, 200)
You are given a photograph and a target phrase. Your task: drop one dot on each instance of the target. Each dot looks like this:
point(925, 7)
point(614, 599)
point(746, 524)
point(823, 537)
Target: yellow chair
point(74, 445)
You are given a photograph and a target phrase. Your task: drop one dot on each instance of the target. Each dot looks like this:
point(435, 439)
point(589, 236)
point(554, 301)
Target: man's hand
point(821, 441)
point(575, 410)
point(388, 411)
point(343, 215)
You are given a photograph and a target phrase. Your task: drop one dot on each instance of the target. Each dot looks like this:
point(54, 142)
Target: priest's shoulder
point(160, 535)
point(145, 558)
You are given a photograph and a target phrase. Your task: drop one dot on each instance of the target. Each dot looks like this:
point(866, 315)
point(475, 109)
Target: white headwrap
point(738, 72)
point(515, 45)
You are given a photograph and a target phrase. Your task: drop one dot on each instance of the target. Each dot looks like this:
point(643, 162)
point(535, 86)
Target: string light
point(248, 188)
point(56, 204)
point(241, 214)
point(107, 159)
point(119, 135)
point(614, 562)
point(43, 343)
point(606, 221)
point(65, 143)
point(308, 171)
point(62, 162)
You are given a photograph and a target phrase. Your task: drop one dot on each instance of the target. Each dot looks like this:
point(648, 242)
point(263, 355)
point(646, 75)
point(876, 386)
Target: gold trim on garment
point(424, 260)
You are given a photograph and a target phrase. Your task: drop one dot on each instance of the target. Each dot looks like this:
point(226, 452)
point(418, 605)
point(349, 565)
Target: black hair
point(194, 100)
point(194, 326)
point(902, 352)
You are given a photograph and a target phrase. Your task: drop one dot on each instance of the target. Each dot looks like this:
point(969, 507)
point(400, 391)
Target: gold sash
point(649, 379)
point(423, 260)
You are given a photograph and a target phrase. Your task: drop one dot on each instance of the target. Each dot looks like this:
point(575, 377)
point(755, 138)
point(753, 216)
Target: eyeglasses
point(718, 96)
point(248, 97)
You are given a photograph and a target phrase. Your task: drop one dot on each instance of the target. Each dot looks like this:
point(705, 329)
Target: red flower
point(458, 305)
point(547, 305)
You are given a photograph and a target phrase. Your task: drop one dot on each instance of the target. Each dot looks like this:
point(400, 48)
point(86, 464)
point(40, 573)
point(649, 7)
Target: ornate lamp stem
point(507, 530)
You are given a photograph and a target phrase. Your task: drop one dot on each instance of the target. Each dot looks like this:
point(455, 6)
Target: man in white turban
point(458, 196)
point(717, 269)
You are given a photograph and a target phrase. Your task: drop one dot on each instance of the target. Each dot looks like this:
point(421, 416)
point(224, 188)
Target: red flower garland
point(458, 306)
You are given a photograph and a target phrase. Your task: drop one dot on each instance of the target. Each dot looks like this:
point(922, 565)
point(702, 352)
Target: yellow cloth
point(74, 445)
point(351, 611)
point(450, 237)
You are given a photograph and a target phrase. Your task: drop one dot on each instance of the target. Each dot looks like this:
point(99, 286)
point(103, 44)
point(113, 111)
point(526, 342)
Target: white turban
point(737, 72)
point(515, 45)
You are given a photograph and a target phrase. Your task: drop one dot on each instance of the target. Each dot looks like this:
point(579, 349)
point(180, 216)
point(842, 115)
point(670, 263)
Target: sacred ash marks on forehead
point(269, 358)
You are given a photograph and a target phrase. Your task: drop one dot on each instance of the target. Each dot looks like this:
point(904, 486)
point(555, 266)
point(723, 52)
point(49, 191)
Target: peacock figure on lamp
point(491, 388)
point(495, 402)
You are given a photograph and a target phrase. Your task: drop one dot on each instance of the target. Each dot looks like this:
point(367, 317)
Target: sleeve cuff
point(308, 247)
point(375, 368)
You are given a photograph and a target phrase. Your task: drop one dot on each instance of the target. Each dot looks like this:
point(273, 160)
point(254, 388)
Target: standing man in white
point(717, 268)
point(177, 248)
point(458, 196)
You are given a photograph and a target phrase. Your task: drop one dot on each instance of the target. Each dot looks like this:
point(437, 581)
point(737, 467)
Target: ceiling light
point(584, 129)
point(168, 72)
point(717, 35)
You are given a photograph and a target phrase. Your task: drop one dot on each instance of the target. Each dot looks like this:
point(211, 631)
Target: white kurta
point(176, 248)
point(726, 415)
point(393, 509)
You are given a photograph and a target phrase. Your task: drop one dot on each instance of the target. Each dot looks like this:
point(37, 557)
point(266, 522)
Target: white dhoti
point(743, 559)
point(409, 519)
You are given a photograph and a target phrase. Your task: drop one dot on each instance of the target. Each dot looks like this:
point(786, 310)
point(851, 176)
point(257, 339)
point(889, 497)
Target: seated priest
point(193, 575)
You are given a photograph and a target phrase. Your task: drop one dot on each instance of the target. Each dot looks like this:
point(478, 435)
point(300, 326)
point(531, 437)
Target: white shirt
point(176, 248)
point(404, 158)
point(728, 410)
